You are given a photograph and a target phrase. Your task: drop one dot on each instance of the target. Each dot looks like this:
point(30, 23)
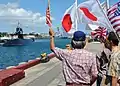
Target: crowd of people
point(82, 67)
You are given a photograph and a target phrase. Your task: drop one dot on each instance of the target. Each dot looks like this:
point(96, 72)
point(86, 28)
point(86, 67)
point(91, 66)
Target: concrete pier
point(50, 74)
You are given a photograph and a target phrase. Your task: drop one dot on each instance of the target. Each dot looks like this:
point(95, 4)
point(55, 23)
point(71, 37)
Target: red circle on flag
point(67, 23)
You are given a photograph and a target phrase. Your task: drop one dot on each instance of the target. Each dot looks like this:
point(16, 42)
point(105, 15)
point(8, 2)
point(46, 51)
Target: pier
point(50, 73)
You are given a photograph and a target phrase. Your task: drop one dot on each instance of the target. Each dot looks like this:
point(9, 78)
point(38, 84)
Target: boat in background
point(62, 34)
point(20, 40)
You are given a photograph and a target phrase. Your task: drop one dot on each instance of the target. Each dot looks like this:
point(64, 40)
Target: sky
point(31, 14)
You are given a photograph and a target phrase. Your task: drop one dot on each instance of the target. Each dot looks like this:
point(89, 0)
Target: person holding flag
point(79, 65)
point(113, 71)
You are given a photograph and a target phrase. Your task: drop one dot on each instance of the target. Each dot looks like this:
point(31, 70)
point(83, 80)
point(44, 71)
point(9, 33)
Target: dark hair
point(112, 37)
point(77, 44)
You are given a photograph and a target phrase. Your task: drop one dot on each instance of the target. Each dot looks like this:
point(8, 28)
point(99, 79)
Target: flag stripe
point(116, 25)
point(110, 12)
point(110, 18)
point(118, 30)
point(99, 32)
point(115, 21)
point(48, 19)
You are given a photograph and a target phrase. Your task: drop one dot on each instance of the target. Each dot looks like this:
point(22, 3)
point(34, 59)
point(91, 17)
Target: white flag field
point(88, 12)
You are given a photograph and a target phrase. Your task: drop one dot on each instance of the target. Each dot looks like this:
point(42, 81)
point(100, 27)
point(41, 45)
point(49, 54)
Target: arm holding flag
point(52, 44)
point(57, 51)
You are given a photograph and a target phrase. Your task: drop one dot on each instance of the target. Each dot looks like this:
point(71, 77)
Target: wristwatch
point(52, 36)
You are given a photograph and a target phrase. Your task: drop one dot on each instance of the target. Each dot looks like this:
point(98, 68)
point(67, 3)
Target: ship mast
point(32, 26)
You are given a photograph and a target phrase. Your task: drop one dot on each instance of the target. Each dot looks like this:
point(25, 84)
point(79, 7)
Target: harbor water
point(12, 56)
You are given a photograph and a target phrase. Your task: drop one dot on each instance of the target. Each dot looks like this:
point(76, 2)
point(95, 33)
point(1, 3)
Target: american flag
point(48, 20)
point(100, 32)
point(114, 16)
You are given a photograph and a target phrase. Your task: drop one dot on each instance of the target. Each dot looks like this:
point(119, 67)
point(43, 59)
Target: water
point(11, 56)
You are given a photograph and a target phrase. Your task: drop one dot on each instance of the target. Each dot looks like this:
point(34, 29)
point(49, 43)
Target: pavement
point(50, 73)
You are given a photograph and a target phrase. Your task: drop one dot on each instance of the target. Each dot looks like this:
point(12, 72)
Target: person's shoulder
point(62, 50)
point(106, 50)
point(118, 53)
point(115, 55)
point(89, 53)
point(83, 51)
point(57, 48)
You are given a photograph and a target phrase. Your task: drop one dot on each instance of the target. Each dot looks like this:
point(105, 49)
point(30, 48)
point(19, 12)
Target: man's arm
point(57, 51)
point(114, 81)
point(113, 72)
point(52, 44)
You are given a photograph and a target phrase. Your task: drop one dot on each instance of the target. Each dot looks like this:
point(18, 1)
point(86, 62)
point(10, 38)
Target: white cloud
point(11, 13)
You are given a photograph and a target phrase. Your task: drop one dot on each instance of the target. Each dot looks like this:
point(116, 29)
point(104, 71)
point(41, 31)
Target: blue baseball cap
point(79, 36)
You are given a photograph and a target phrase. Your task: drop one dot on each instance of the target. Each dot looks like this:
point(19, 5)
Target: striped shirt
point(78, 65)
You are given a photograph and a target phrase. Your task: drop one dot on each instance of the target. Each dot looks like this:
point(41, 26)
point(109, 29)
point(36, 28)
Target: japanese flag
point(90, 12)
point(69, 19)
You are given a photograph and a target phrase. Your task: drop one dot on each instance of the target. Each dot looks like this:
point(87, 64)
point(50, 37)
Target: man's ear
point(111, 42)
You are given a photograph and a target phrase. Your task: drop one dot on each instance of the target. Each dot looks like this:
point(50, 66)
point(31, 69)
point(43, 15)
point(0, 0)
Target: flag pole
point(49, 4)
point(108, 20)
point(108, 4)
point(76, 15)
